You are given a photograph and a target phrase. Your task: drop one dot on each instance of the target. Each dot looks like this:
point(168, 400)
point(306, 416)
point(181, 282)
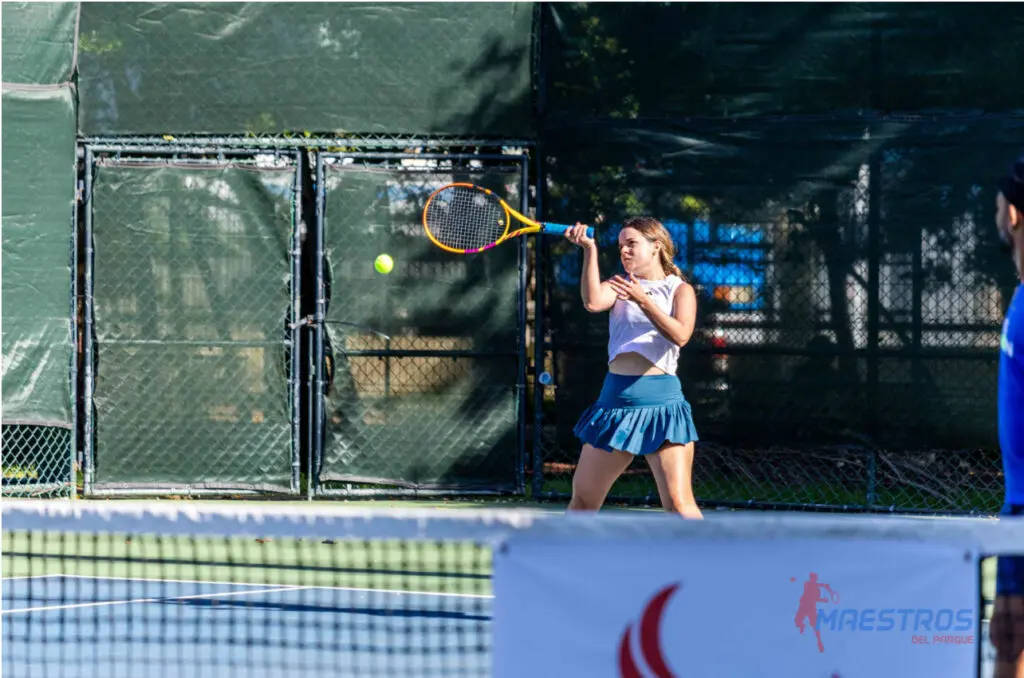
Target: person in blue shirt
point(1007, 626)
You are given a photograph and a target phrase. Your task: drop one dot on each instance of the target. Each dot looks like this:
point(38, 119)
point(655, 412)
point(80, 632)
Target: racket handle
point(560, 229)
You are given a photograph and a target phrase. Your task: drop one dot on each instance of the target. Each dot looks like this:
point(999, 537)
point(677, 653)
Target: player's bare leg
point(595, 474)
point(672, 467)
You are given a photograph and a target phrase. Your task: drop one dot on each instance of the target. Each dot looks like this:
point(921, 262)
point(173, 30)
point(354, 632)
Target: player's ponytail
point(666, 255)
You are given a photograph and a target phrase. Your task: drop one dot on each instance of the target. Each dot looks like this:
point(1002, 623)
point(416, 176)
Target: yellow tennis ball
point(383, 263)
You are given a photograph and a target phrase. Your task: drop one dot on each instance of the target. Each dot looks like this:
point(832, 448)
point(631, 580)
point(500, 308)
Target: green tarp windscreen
point(236, 68)
point(444, 417)
point(38, 201)
point(192, 273)
point(828, 174)
point(38, 42)
point(661, 60)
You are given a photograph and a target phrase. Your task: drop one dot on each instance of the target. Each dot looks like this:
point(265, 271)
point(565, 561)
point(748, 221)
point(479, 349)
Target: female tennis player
point(641, 410)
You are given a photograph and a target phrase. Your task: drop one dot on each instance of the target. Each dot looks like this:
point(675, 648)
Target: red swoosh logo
point(650, 632)
point(650, 639)
point(627, 665)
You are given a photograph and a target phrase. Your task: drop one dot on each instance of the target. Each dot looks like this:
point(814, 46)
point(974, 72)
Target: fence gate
point(191, 313)
point(422, 370)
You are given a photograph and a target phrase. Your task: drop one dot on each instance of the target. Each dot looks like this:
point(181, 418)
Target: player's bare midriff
point(633, 365)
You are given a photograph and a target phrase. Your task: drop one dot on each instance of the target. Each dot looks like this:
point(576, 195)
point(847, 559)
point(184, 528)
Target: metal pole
point(874, 313)
point(874, 263)
point(539, 309)
point(89, 456)
point(320, 315)
point(520, 395)
point(309, 404)
point(387, 367)
point(295, 293)
point(73, 330)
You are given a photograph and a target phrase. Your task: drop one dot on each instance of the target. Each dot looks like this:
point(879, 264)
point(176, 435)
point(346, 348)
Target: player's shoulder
point(680, 285)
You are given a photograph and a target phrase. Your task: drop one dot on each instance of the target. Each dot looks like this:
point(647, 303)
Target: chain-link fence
point(850, 301)
point(191, 283)
point(850, 283)
point(38, 459)
point(423, 367)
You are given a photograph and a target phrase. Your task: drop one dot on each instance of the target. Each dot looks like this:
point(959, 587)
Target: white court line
point(166, 581)
point(31, 576)
point(106, 603)
point(281, 586)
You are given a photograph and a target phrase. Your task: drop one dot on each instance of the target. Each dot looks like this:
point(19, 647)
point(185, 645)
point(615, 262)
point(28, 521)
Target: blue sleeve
point(1011, 398)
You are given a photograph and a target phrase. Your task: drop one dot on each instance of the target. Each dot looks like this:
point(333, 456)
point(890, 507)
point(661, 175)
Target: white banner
point(734, 609)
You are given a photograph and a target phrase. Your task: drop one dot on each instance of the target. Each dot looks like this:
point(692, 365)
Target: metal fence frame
point(331, 145)
point(319, 321)
point(198, 154)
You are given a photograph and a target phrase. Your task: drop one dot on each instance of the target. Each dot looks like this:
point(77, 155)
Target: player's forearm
point(672, 329)
point(590, 279)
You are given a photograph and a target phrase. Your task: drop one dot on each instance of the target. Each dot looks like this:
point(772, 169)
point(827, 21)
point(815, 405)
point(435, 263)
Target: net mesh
point(465, 218)
point(171, 591)
point(182, 589)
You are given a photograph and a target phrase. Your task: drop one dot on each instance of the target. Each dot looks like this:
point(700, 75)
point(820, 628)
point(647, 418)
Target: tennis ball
point(383, 263)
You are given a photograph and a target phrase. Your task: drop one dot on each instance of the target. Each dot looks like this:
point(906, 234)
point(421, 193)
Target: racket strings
point(465, 218)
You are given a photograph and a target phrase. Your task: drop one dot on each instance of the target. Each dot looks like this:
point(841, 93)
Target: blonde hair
point(655, 231)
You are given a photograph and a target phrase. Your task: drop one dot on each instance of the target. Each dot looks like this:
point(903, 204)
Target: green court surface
point(384, 565)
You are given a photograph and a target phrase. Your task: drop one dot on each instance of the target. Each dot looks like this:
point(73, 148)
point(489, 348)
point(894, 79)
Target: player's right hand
point(578, 236)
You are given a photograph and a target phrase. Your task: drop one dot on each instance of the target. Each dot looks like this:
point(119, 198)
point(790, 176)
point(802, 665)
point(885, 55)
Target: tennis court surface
point(178, 589)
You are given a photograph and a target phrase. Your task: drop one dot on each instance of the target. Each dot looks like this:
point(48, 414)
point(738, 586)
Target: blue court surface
point(95, 627)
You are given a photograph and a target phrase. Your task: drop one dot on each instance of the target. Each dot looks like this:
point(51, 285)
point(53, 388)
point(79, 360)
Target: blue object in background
point(727, 260)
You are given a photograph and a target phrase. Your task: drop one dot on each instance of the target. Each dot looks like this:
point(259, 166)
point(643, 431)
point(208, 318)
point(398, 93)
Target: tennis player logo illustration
point(807, 612)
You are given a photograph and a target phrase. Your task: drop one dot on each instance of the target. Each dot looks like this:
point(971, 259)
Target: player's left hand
point(628, 288)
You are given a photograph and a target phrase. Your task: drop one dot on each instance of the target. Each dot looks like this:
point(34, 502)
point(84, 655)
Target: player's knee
point(582, 502)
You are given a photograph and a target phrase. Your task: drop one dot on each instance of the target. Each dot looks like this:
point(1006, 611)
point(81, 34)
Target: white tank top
point(630, 331)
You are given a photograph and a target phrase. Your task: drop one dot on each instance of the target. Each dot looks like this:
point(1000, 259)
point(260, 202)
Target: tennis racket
point(466, 219)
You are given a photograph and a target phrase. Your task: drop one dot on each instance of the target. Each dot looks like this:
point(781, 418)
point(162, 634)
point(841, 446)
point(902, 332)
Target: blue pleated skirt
point(638, 415)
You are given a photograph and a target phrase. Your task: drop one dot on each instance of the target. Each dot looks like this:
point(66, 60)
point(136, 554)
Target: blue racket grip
point(560, 229)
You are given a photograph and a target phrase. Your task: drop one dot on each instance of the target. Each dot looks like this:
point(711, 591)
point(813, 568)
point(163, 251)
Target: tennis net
point(189, 590)
point(165, 589)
